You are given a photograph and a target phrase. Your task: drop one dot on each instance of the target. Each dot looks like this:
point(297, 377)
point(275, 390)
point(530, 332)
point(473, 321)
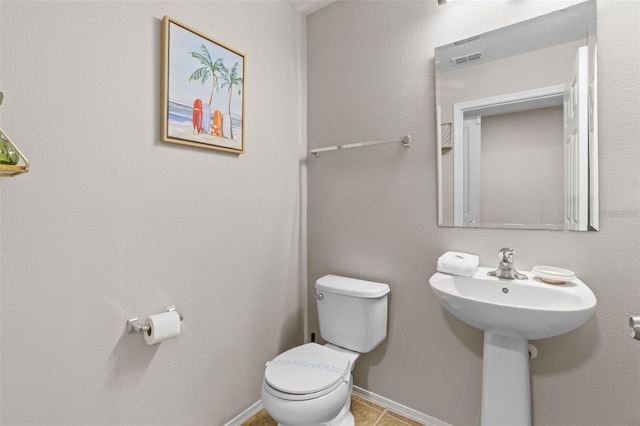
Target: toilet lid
point(307, 369)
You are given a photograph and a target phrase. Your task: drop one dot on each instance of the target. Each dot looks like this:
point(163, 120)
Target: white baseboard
point(246, 414)
point(403, 410)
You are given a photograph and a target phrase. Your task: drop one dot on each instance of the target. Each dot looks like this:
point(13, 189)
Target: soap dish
point(553, 275)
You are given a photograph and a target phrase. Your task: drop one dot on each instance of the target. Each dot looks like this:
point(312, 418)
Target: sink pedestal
point(506, 398)
point(511, 312)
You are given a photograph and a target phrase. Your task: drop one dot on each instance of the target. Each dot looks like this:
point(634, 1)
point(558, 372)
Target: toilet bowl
point(311, 385)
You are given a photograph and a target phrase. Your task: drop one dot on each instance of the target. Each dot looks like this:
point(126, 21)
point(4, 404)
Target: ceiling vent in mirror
point(467, 58)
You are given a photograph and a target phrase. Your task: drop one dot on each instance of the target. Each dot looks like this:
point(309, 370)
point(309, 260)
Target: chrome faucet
point(505, 266)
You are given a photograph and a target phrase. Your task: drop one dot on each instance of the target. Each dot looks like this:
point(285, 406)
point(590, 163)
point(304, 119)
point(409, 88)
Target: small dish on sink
point(553, 275)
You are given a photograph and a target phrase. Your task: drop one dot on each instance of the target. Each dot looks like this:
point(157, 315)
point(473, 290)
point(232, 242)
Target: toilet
point(311, 384)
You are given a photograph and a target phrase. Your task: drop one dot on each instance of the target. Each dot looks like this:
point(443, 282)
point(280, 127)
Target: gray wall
point(111, 223)
point(372, 212)
point(522, 167)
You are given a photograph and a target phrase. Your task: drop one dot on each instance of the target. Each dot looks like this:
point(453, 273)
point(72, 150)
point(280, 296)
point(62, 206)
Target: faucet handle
point(505, 267)
point(506, 254)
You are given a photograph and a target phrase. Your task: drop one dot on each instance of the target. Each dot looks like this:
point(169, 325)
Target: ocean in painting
point(180, 125)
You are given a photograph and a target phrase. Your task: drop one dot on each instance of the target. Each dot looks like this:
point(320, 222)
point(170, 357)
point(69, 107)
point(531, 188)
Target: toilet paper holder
point(134, 326)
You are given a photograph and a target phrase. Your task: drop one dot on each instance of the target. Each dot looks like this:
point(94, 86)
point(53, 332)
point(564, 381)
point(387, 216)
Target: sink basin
point(511, 312)
point(530, 309)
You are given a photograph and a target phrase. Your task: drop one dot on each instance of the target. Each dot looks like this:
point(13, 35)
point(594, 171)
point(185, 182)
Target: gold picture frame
point(202, 90)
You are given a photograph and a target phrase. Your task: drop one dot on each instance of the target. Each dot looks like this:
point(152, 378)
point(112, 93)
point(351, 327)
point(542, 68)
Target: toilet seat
point(306, 372)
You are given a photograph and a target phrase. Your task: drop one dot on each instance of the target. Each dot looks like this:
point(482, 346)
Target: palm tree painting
point(203, 94)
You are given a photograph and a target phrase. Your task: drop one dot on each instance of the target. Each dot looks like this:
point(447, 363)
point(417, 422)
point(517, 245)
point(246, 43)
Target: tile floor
point(366, 413)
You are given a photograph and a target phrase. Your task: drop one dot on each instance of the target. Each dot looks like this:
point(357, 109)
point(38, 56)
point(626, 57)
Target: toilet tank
point(352, 313)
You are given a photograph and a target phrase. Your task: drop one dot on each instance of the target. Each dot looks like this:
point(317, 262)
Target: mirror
point(517, 125)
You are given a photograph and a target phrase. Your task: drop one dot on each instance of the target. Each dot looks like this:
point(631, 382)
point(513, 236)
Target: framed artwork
point(202, 90)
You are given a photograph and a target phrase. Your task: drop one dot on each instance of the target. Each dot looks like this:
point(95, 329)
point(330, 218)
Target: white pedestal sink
point(511, 312)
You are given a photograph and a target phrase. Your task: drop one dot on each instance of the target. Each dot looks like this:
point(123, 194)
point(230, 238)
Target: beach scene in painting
point(205, 90)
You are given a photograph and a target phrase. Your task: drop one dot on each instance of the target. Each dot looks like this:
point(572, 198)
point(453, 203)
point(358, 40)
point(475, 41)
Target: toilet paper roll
point(162, 327)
